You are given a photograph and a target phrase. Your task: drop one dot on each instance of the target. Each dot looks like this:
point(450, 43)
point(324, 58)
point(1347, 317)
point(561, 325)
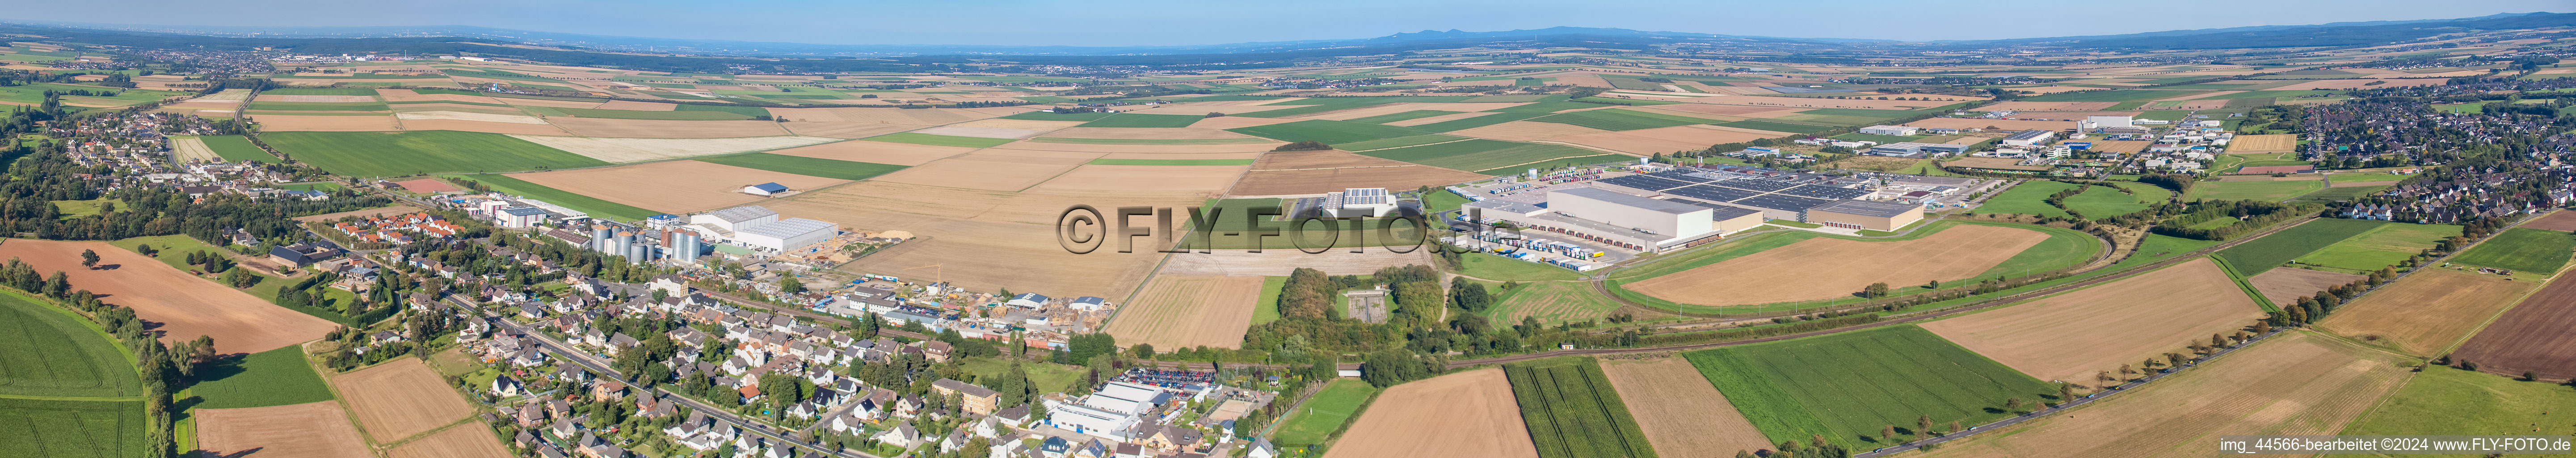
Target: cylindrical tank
point(599, 238)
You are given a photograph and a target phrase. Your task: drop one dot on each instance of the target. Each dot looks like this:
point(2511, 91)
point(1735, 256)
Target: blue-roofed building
point(764, 189)
point(1088, 303)
point(1030, 300)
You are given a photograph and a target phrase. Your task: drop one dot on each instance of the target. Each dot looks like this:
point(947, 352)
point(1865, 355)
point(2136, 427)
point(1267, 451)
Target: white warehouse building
point(737, 218)
point(1889, 130)
point(787, 234)
point(1617, 209)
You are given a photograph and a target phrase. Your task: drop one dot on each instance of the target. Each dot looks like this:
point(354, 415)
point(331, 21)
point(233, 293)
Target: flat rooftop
point(1868, 208)
point(1620, 198)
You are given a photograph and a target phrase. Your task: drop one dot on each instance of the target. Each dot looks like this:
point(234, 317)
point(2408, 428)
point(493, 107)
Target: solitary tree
point(1923, 425)
point(89, 258)
point(2217, 341)
point(2065, 392)
point(1887, 434)
point(1876, 290)
point(2174, 359)
point(2126, 370)
point(2012, 404)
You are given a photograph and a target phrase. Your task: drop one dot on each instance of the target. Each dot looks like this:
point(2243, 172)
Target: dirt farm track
point(2537, 336)
point(182, 306)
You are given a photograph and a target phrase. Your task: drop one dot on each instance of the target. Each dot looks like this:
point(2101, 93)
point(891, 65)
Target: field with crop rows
point(46, 351)
point(1848, 386)
point(2251, 258)
point(2522, 249)
point(1330, 131)
point(391, 154)
point(1573, 412)
point(807, 166)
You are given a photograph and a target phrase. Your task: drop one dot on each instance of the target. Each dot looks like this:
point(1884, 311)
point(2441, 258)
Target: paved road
point(594, 364)
point(2087, 399)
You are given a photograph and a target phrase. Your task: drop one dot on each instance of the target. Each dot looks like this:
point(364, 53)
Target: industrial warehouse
point(1663, 208)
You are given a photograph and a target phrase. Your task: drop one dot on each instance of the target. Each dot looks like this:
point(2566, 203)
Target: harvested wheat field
point(308, 430)
point(1722, 110)
point(427, 186)
point(638, 106)
point(1205, 179)
point(986, 238)
point(1394, 108)
point(468, 116)
point(993, 170)
point(1145, 133)
point(2047, 106)
point(481, 126)
point(877, 152)
point(845, 129)
point(1468, 414)
point(407, 95)
point(467, 440)
point(283, 123)
point(316, 98)
point(191, 149)
point(186, 305)
point(677, 187)
point(658, 128)
point(1319, 181)
point(2293, 383)
point(1437, 119)
point(2284, 286)
point(917, 117)
point(1663, 139)
point(2271, 143)
point(2070, 336)
point(1526, 131)
point(400, 398)
point(1230, 122)
point(1825, 268)
point(2426, 312)
point(1183, 156)
point(1184, 312)
point(1279, 262)
point(1201, 109)
point(2563, 221)
point(649, 149)
point(1681, 413)
point(1141, 149)
point(547, 103)
point(982, 132)
point(2539, 335)
point(1810, 102)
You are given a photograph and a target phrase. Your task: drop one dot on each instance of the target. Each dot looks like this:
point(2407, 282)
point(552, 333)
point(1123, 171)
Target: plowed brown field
point(1825, 268)
point(2071, 336)
point(2564, 221)
point(185, 306)
point(2539, 336)
point(2284, 286)
point(1469, 414)
point(2427, 311)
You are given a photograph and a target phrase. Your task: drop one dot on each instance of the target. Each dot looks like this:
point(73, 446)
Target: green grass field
point(1149, 141)
point(2103, 202)
point(1171, 162)
point(1475, 122)
point(1267, 308)
point(586, 204)
point(73, 429)
point(746, 111)
point(236, 148)
point(68, 209)
point(1052, 116)
point(2521, 249)
point(2443, 400)
point(1498, 268)
point(1621, 119)
point(2268, 191)
point(319, 91)
point(269, 378)
point(1776, 126)
point(1545, 107)
point(2128, 95)
point(1550, 302)
point(393, 154)
point(1415, 114)
point(1573, 412)
point(2027, 198)
point(2215, 223)
point(35, 94)
point(1143, 120)
point(1478, 154)
point(940, 140)
point(2378, 247)
point(320, 106)
point(1328, 131)
point(1314, 421)
point(2343, 193)
point(2254, 257)
point(1398, 142)
point(1847, 386)
point(47, 351)
point(807, 166)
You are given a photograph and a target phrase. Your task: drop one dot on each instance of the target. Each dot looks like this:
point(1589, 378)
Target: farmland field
point(808, 166)
point(2128, 95)
point(585, 204)
point(1170, 162)
point(2293, 383)
point(47, 351)
point(1479, 154)
point(1620, 119)
point(389, 154)
point(2027, 198)
point(1681, 413)
point(1551, 303)
point(2537, 251)
point(2426, 312)
point(2287, 285)
point(1329, 131)
point(1776, 126)
point(184, 305)
point(2378, 247)
point(309, 430)
point(1314, 421)
point(1178, 312)
point(2443, 400)
point(2268, 191)
point(73, 429)
point(1826, 268)
point(465, 440)
point(2562, 221)
point(1143, 120)
point(2068, 337)
point(1573, 411)
point(1847, 386)
point(676, 115)
point(33, 94)
point(1460, 415)
point(2254, 257)
point(1475, 122)
point(269, 378)
point(940, 140)
point(2537, 335)
point(236, 148)
point(401, 398)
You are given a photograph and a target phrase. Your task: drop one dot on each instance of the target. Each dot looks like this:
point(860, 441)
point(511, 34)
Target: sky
point(1193, 22)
